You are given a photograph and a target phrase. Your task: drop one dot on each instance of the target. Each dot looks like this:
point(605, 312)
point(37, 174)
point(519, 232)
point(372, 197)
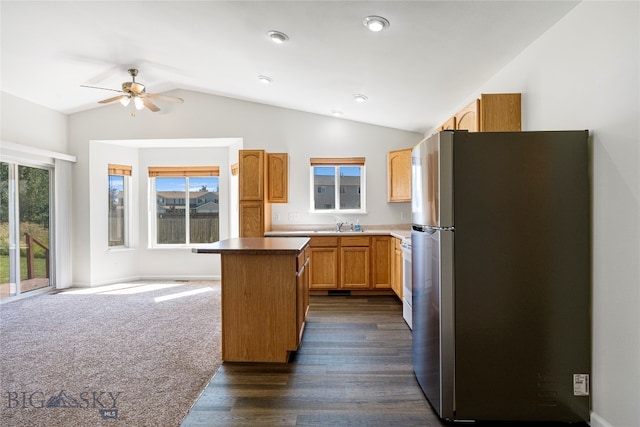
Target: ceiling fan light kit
point(137, 92)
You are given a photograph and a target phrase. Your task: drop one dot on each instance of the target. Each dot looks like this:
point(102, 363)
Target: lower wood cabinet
point(302, 292)
point(350, 262)
point(396, 267)
point(323, 263)
point(355, 256)
point(381, 262)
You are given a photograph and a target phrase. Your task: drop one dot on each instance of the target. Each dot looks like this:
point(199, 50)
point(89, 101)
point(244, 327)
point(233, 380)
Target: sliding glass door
point(25, 256)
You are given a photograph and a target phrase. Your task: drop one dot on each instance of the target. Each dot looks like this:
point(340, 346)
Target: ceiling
point(430, 60)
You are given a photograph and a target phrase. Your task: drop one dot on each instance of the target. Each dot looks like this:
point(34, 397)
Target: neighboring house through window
point(337, 185)
point(187, 206)
point(119, 177)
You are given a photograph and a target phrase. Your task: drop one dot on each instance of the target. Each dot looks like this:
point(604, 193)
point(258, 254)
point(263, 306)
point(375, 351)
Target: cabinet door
point(323, 268)
point(302, 296)
point(500, 112)
point(399, 175)
point(251, 219)
point(277, 177)
point(469, 117)
point(354, 267)
point(251, 185)
point(449, 124)
point(396, 268)
point(381, 262)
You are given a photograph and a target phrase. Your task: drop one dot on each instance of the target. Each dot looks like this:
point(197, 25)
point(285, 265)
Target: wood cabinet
point(381, 262)
point(354, 262)
point(254, 211)
point(500, 112)
point(277, 177)
point(323, 263)
point(396, 267)
point(252, 175)
point(493, 112)
point(469, 117)
point(263, 315)
point(302, 292)
point(399, 175)
point(263, 179)
point(251, 219)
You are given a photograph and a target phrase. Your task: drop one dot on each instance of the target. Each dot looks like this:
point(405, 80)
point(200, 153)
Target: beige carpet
point(135, 354)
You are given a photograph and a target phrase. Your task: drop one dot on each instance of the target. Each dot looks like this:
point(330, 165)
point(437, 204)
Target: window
point(119, 176)
point(186, 209)
point(337, 185)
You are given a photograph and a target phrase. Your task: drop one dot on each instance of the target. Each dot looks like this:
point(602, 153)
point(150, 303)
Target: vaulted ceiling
point(431, 58)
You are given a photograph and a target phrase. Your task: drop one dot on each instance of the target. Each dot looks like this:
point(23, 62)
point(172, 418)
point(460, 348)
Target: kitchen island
point(265, 296)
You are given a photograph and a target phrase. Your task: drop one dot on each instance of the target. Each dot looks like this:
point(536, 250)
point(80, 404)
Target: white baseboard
point(598, 421)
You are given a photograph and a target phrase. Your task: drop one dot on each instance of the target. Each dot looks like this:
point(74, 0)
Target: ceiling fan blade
point(101, 88)
point(166, 98)
point(114, 99)
point(150, 105)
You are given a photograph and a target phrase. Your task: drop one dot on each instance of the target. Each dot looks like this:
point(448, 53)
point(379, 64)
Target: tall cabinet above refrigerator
point(501, 275)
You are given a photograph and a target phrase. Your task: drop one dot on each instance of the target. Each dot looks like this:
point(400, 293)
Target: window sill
point(120, 249)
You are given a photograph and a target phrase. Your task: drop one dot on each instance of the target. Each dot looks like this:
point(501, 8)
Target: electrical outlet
point(276, 217)
point(293, 216)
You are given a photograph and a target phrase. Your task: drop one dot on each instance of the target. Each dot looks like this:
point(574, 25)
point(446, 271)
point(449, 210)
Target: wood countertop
point(256, 245)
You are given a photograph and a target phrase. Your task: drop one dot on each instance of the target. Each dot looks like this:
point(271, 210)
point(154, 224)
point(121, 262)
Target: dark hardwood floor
point(353, 368)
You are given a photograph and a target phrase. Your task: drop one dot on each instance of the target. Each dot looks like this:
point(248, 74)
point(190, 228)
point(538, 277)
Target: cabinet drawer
point(323, 241)
point(354, 241)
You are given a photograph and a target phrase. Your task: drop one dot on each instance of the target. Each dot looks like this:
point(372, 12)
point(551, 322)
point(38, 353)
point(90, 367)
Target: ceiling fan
point(136, 91)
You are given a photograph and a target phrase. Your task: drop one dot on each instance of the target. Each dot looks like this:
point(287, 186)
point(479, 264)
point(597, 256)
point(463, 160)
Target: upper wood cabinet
point(277, 177)
point(399, 175)
point(449, 124)
point(254, 211)
point(252, 175)
point(493, 112)
point(500, 112)
point(469, 117)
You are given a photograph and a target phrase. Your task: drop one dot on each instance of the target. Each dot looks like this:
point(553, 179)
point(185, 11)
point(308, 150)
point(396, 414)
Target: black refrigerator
point(501, 275)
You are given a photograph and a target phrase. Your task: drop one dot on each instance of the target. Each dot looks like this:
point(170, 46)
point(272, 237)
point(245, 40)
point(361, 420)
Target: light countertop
point(256, 245)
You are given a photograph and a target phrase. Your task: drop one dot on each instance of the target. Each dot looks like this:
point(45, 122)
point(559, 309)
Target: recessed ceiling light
point(278, 37)
point(337, 113)
point(265, 79)
point(376, 23)
point(360, 98)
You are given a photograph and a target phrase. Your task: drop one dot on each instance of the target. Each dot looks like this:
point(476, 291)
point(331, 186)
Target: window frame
point(125, 171)
point(336, 164)
point(185, 172)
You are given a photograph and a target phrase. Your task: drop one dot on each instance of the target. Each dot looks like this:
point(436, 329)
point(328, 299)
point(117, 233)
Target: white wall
point(23, 122)
point(259, 126)
point(584, 73)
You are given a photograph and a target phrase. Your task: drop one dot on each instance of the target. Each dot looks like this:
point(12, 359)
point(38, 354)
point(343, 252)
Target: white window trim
point(153, 226)
point(128, 199)
point(363, 193)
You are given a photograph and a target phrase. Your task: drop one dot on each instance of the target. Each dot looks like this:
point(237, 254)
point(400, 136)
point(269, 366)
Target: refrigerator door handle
point(431, 229)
